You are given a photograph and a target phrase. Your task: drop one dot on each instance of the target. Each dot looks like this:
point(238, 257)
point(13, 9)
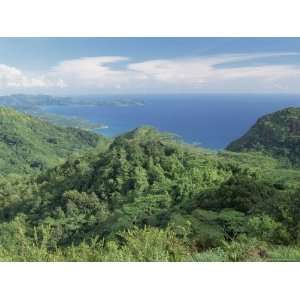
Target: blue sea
point(210, 121)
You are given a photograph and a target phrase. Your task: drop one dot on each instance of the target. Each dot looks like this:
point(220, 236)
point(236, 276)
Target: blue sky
point(149, 65)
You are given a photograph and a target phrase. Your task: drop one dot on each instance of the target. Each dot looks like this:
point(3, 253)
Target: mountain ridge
point(28, 143)
point(276, 134)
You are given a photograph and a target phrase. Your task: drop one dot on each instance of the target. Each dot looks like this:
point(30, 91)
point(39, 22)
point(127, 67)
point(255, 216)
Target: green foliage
point(244, 249)
point(28, 144)
point(277, 134)
point(148, 244)
point(15, 245)
point(211, 255)
point(241, 249)
point(141, 179)
point(145, 196)
point(284, 254)
point(266, 229)
point(241, 192)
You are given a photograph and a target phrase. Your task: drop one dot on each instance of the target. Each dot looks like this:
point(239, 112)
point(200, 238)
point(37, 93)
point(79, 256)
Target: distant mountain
point(28, 143)
point(277, 134)
point(26, 101)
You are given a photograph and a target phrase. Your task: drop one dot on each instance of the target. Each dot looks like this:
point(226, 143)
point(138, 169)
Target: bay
point(208, 120)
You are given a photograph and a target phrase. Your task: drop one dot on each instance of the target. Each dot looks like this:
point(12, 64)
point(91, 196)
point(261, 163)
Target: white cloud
point(228, 72)
point(11, 77)
point(93, 72)
point(208, 72)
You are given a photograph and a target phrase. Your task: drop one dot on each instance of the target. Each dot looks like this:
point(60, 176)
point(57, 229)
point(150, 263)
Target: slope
point(277, 134)
point(28, 144)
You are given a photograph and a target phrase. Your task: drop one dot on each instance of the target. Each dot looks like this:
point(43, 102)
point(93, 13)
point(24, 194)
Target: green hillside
point(148, 197)
point(28, 144)
point(277, 134)
point(145, 196)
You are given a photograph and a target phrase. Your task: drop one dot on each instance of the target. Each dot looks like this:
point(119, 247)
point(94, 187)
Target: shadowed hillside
point(277, 134)
point(28, 144)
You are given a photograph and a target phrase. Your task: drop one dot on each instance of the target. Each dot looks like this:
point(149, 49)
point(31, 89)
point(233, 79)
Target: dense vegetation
point(148, 197)
point(277, 134)
point(28, 144)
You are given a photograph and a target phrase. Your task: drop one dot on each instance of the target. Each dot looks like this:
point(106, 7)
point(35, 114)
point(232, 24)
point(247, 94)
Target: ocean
point(210, 121)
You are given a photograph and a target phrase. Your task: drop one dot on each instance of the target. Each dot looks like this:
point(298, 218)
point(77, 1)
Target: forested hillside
point(148, 197)
point(277, 134)
point(28, 144)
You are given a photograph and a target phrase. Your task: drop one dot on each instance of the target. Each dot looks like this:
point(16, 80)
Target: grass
point(284, 254)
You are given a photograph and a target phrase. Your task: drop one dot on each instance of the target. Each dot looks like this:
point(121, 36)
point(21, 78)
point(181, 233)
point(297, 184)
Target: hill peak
point(276, 133)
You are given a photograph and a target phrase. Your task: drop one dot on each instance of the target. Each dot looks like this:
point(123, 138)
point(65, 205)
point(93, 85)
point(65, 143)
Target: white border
point(149, 18)
point(149, 281)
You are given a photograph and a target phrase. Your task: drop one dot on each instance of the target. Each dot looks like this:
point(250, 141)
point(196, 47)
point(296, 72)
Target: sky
point(79, 66)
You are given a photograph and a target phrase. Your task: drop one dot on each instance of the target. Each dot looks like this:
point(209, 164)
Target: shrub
point(266, 229)
point(244, 249)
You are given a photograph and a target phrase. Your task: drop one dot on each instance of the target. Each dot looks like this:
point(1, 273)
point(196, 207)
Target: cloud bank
point(219, 73)
point(11, 77)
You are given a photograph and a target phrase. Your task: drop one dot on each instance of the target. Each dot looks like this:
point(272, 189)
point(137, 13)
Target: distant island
point(26, 101)
point(35, 105)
